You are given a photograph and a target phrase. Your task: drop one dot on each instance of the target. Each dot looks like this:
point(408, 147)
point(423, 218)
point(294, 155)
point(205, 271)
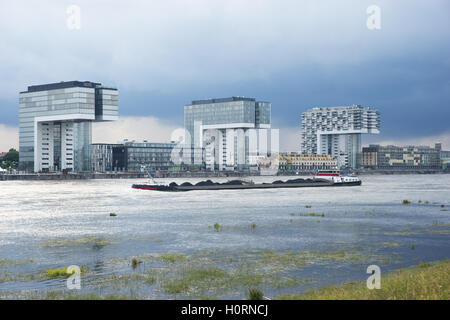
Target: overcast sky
point(295, 54)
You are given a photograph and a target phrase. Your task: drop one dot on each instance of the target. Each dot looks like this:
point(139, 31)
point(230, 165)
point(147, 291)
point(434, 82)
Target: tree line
point(10, 160)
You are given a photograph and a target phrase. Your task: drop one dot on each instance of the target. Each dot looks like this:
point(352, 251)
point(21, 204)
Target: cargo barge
point(330, 178)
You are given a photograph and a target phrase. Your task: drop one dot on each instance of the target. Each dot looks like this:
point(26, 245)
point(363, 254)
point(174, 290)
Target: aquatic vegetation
point(62, 242)
point(6, 276)
point(135, 262)
point(171, 257)
point(412, 247)
point(390, 244)
point(98, 243)
point(60, 273)
point(255, 294)
point(406, 202)
point(208, 273)
point(218, 227)
point(440, 229)
point(312, 214)
point(112, 214)
point(444, 210)
point(64, 295)
point(128, 280)
point(13, 263)
point(401, 233)
point(253, 226)
point(427, 281)
point(196, 280)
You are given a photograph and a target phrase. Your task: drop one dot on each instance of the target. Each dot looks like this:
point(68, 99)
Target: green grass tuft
point(135, 262)
point(312, 214)
point(60, 273)
point(171, 257)
point(255, 294)
point(218, 227)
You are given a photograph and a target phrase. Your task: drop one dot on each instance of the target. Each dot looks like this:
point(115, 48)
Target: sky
point(296, 54)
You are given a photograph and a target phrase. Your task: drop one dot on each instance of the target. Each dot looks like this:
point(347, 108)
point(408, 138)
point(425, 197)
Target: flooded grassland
point(214, 244)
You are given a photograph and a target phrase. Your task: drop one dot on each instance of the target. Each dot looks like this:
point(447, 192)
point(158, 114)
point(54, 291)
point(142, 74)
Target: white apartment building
point(337, 131)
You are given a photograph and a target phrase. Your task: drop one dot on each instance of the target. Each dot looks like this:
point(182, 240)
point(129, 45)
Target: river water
point(340, 231)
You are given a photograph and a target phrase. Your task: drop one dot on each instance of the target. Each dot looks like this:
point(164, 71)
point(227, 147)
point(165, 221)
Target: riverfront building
point(445, 159)
point(133, 156)
point(235, 132)
point(394, 157)
point(55, 124)
point(306, 162)
point(337, 131)
point(102, 157)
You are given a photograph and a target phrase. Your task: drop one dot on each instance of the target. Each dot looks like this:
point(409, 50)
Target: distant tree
point(10, 160)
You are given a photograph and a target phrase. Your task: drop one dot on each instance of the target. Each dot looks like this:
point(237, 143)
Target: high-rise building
point(337, 131)
point(55, 122)
point(234, 132)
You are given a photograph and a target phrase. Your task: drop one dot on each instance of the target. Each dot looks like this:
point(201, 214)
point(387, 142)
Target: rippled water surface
point(48, 224)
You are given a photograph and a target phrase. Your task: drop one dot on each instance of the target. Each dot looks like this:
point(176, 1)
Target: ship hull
point(321, 183)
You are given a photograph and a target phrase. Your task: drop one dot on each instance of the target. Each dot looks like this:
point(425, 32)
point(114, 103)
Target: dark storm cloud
point(296, 54)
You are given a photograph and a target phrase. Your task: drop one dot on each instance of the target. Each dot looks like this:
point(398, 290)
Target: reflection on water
point(57, 224)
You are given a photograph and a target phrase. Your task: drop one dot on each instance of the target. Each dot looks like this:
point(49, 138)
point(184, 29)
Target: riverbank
point(71, 176)
point(181, 174)
point(427, 281)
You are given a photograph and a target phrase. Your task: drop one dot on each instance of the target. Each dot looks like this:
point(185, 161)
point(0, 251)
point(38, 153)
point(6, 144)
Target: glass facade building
point(155, 156)
point(395, 157)
point(135, 156)
point(55, 124)
point(229, 129)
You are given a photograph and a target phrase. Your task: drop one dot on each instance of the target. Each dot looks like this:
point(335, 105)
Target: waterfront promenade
point(190, 174)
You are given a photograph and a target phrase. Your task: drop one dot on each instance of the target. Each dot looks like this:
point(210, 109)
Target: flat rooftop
point(64, 85)
point(220, 100)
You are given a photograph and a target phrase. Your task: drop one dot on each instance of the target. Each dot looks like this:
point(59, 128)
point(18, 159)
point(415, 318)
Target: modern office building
point(337, 131)
point(133, 156)
point(102, 157)
point(394, 157)
point(444, 156)
point(55, 124)
point(306, 162)
point(445, 159)
point(235, 132)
